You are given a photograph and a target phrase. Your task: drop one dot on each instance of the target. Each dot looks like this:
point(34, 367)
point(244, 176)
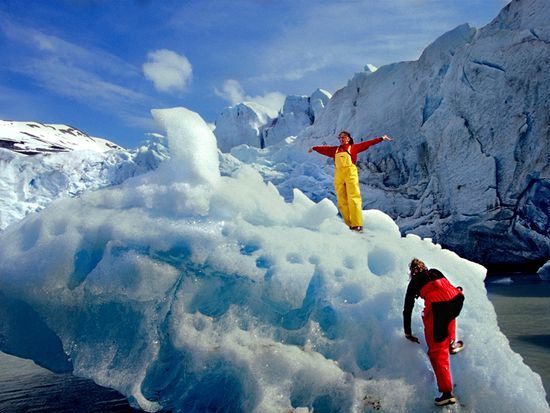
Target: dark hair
point(345, 132)
point(417, 266)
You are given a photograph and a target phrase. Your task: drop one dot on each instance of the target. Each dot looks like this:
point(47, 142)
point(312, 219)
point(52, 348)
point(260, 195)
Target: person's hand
point(412, 338)
point(310, 150)
point(386, 138)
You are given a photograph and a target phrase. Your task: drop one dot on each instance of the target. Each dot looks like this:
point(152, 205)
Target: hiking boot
point(445, 399)
point(456, 347)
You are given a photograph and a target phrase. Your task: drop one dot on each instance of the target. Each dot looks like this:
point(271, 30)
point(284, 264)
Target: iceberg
point(544, 271)
point(192, 291)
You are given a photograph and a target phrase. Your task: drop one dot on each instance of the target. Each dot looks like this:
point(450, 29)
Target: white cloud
point(273, 101)
point(169, 71)
point(234, 93)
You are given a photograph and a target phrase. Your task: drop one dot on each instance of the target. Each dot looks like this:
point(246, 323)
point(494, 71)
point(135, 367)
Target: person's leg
point(342, 198)
point(439, 357)
point(354, 201)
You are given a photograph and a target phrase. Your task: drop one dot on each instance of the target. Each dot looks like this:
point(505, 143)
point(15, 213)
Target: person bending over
point(442, 304)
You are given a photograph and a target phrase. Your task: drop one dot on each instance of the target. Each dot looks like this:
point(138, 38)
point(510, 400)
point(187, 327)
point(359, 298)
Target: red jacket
point(353, 149)
point(442, 299)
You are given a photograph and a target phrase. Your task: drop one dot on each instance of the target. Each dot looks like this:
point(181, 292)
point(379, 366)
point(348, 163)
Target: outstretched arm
point(324, 150)
point(363, 146)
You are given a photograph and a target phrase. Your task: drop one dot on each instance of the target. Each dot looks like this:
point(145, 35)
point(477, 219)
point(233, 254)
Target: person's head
point(416, 267)
point(345, 138)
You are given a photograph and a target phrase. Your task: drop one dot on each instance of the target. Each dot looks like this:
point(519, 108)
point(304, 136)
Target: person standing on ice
point(442, 304)
point(346, 178)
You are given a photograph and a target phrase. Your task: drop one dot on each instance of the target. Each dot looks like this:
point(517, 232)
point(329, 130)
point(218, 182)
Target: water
point(26, 388)
point(522, 303)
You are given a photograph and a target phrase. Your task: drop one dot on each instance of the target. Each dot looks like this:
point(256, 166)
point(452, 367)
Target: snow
point(30, 183)
point(191, 290)
point(33, 138)
point(318, 100)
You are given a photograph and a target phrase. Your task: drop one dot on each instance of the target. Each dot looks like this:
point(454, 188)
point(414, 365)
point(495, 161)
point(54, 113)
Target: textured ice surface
point(191, 291)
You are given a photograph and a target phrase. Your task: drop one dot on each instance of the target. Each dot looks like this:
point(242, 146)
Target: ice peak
point(192, 145)
point(446, 45)
point(370, 68)
point(522, 15)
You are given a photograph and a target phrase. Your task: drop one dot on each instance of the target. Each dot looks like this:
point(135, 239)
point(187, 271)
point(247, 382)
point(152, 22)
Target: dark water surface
point(522, 303)
point(26, 388)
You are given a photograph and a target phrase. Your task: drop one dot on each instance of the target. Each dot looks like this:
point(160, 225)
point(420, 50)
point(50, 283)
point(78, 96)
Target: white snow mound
point(190, 291)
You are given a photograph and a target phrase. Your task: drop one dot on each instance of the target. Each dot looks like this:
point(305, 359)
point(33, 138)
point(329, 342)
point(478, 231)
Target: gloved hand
point(412, 338)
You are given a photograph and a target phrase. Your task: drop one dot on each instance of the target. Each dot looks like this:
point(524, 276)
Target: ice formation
point(469, 164)
point(249, 123)
point(32, 174)
point(190, 290)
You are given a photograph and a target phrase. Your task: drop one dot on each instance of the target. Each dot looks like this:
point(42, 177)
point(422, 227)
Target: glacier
point(249, 123)
point(468, 167)
point(28, 183)
point(470, 162)
point(197, 287)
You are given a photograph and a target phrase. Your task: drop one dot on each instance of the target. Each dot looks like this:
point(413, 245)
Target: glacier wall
point(470, 161)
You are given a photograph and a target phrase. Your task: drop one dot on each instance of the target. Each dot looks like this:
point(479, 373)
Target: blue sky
point(102, 65)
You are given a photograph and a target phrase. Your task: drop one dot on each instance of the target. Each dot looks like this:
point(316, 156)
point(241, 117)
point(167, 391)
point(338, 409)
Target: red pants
point(439, 352)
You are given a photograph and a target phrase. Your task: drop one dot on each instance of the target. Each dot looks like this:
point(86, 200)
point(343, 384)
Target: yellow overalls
point(346, 184)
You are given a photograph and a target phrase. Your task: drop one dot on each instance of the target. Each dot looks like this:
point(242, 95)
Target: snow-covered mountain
point(470, 162)
point(41, 163)
point(32, 138)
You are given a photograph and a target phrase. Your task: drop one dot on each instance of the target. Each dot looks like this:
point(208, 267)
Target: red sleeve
point(329, 151)
point(363, 146)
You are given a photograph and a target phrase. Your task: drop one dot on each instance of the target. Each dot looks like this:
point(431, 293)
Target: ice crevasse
point(190, 291)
